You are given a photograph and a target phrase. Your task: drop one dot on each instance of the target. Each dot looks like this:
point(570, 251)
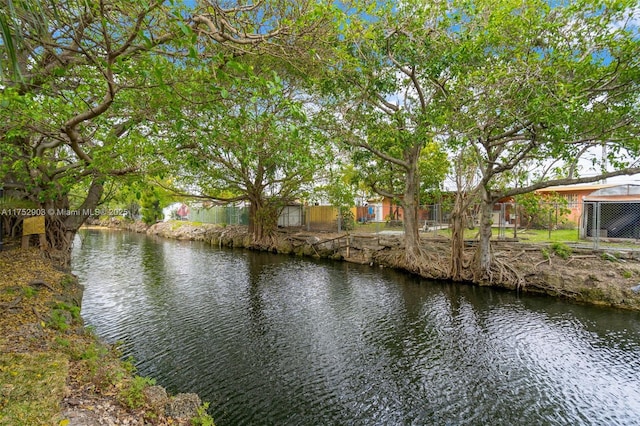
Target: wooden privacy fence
point(321, 217)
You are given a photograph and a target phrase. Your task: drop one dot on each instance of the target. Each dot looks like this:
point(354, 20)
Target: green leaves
point(251, 140)
point(9, 47)
point(517, 83)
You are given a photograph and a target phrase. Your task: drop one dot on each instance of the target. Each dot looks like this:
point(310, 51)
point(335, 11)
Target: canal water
point(279, 340)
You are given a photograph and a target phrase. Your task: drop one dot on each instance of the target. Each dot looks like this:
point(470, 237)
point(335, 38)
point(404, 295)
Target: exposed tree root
point(426, 263)
point(11, 305)
point(37, 314)
point(547, 260)
point(507, 274)
point(35, 283)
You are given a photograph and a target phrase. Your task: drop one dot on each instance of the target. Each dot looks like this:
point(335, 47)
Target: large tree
point(541, 83)
point(507, 85)
point(72, 115)
point(389, 84)
point(254, 141)
point(89, 78)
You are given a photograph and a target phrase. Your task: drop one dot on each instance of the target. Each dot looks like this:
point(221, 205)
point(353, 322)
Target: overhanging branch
point(569, 181)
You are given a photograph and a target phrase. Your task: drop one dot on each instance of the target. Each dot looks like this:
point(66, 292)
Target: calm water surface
point(276, 340)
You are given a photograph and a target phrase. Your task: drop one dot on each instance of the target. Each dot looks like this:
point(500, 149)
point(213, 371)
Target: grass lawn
point(374, 227)
point(32, 386)
point(530, 235)
point(541, 236)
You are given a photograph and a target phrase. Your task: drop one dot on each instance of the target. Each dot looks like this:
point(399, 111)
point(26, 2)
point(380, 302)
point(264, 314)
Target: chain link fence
point(588, 224)
point(291, 217)
point(610, 221)
point(513, 220)
point(543, 222)
point(221, 215)
point(434, 219)
point(311, 218)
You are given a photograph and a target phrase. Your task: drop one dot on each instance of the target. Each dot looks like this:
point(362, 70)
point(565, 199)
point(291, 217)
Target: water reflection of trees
point(152, 261)
point(258, 264)
point(382, 342)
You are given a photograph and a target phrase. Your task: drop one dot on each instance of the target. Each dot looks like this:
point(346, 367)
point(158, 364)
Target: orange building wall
point(574, 205)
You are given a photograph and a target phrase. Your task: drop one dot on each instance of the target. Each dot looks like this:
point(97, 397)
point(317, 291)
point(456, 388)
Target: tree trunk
point(263, 221)
point(62, 224)
point(456, 264)
point(410, 210)
point(483, 253)
point(254, 227)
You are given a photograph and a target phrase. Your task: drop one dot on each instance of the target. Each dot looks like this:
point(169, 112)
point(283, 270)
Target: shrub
point(561, 250)
point(545, 254)
point(132, 395)
point(542, 211)
point(203, 418)
point(59, 320)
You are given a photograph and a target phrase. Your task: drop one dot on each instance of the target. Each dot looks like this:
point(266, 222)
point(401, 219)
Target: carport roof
point(616, 193)
point(575, 188)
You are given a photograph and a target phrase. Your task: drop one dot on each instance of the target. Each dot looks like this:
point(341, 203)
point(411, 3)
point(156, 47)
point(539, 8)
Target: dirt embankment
point(54, 371)
point(603, 277)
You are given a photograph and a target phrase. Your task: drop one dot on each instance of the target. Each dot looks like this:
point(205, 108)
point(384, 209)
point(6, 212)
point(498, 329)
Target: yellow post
point(31, 226)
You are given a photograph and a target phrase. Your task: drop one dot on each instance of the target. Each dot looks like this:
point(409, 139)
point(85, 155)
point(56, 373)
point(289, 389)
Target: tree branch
point(181, 193)
point(383, 192)
point(569, 181)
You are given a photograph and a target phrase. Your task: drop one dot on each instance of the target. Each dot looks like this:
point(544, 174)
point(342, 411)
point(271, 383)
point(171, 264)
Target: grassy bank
point(55, 371)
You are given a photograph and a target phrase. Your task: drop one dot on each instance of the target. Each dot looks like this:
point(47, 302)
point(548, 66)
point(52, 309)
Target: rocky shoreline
point(605, 278)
